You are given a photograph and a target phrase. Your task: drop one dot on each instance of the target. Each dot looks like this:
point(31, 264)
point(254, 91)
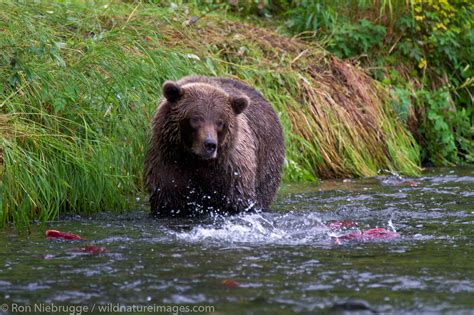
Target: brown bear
point(216, 147)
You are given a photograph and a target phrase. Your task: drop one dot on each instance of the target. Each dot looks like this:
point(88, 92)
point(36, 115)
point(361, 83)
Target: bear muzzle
point(209, 149)
point(205, 143)
point(210, 146)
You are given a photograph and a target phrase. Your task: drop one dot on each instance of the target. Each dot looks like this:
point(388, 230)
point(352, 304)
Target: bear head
point(205, 115)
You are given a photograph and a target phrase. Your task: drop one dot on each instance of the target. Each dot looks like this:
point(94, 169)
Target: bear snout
point(208, 149)
point(210, 146)
point(205, 142)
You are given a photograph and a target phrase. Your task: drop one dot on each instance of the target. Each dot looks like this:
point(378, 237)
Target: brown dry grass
point(337, 110)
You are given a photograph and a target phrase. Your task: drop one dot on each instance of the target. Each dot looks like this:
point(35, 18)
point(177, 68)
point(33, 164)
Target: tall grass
point(78, 94)
point(79, 83)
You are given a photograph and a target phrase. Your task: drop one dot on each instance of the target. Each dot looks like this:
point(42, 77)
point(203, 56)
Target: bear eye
point(195, 121)
point(220, 124)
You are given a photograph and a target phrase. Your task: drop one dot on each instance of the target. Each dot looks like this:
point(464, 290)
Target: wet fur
point(247, 171)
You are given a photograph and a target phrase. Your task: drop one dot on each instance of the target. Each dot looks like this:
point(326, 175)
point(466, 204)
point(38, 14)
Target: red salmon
point(63, 235)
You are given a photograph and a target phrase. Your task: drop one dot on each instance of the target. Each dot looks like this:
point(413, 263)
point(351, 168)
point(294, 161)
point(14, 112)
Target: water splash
point(391, 226)
point(259, 228)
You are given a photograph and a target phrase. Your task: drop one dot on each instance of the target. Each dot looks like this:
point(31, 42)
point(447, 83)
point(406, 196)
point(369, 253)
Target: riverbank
point(80, 83)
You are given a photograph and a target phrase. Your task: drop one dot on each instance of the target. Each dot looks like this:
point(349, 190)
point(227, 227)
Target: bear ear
point(239, 103)
point(172, 91)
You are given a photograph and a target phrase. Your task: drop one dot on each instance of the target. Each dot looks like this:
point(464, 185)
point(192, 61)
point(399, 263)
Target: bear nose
point(210, 146)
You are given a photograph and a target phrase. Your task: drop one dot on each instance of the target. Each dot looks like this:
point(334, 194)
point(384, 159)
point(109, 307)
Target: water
point(277, 263)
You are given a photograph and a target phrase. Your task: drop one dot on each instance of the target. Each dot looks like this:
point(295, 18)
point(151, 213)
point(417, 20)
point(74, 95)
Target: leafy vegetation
point(79, 83)
point(420, 49)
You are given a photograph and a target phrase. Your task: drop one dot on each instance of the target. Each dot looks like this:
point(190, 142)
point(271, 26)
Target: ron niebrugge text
point(105, 308)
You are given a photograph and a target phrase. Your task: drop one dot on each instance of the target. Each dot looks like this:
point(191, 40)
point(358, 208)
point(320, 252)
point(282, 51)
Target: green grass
point(79, 84)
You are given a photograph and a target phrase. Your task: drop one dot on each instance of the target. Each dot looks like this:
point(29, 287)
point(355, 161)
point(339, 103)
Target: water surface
point(280, 262)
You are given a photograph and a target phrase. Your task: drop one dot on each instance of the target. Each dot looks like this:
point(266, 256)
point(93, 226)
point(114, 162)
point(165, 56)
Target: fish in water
point(50, 234)
point(90, 249)
point(376, 234)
